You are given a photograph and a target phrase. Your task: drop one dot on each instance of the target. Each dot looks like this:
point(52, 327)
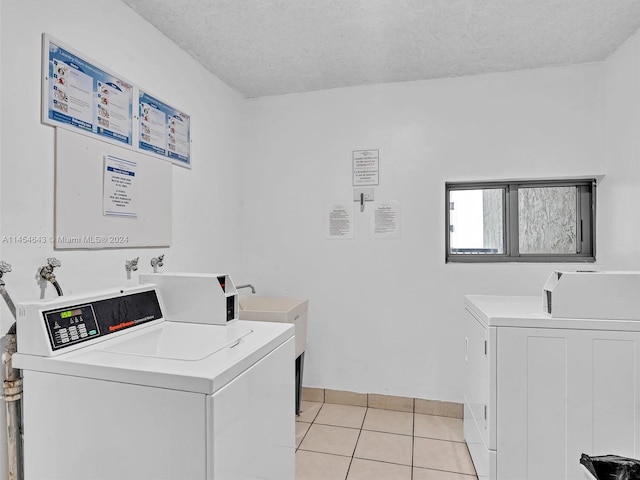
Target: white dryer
point(112, 390)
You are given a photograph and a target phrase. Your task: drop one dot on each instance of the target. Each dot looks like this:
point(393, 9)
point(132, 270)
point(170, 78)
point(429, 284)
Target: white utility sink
point(276, 309)
point(283, 310)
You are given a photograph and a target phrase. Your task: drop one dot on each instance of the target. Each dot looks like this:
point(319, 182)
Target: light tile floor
point(343, 442)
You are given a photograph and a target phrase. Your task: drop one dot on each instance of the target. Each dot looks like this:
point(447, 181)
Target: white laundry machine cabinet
point(540, 391)
point(113, 390)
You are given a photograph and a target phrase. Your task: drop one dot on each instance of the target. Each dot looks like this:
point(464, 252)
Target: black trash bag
point(612, 467)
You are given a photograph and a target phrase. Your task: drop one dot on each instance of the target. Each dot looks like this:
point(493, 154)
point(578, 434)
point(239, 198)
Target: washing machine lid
point(177, 342)
point(180, 356)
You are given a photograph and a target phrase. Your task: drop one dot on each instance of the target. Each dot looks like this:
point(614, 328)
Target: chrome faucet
point(46, 274)
point(6, 268)
point(157, 262)
point(248, 285)
point(131, 266)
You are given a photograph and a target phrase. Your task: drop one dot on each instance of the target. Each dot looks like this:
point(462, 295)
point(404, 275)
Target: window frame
point(585, 222)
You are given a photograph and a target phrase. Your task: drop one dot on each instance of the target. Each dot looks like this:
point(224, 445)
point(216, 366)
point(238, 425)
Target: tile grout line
point(474, 466)
point(303, 437)
point(385, 462)
point(308, 429)
point(413, 436)
point(356, 445)
point(324, 453)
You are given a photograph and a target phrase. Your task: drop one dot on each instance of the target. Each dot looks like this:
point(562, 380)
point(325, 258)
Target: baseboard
point(385, 402)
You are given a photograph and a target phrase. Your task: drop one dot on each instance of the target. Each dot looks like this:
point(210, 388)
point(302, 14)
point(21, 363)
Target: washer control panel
point(78, 323)
point(69, 326)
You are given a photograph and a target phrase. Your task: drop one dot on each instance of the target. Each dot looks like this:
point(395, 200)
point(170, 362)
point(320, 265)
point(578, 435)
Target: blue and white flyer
point(120, 192)
point(164, 130)
point(83, 96)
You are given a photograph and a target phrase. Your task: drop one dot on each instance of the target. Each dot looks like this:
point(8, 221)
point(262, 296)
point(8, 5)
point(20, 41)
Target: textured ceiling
point(270, 47)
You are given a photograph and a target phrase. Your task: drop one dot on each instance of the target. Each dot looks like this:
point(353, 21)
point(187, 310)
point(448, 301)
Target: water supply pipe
point(12, 390)
point(46, 273)
point(12, 395)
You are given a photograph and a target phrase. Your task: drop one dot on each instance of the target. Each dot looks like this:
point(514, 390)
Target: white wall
point(386, 315)
point(206, 208)
point(619, 243)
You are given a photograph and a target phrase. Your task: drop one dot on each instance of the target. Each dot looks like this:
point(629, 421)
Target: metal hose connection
point(46, 273)
point(157, 262)
point(5, 268)
point(131, 266)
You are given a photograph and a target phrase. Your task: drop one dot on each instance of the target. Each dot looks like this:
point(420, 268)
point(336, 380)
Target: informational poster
point(164, 130)
point(120, 191)
point(385, 220)
point(339, 220)
point(77, 94)
point(366, 167)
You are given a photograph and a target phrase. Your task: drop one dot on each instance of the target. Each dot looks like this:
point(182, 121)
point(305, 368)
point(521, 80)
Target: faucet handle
point(131, 265)
point(53, 262)
point(4, 267)
point(157, 262)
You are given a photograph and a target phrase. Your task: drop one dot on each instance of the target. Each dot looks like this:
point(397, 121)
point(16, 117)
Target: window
point(542, 221)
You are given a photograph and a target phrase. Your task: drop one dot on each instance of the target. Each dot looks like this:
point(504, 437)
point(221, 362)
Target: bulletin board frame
point(80, 221)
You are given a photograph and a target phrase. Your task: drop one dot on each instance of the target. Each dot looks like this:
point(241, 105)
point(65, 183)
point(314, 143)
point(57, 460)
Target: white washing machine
point(113, 390)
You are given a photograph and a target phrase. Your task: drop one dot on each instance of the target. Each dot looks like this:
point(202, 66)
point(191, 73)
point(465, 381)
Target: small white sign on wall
point(385, 220)
point(366, 167)
point(120, 188)
point(339, 220)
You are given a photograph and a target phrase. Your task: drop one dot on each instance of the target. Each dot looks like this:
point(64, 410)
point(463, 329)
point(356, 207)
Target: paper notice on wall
point(385, 220)
point(365, 167)
point(120, 190)
point(339, 220)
